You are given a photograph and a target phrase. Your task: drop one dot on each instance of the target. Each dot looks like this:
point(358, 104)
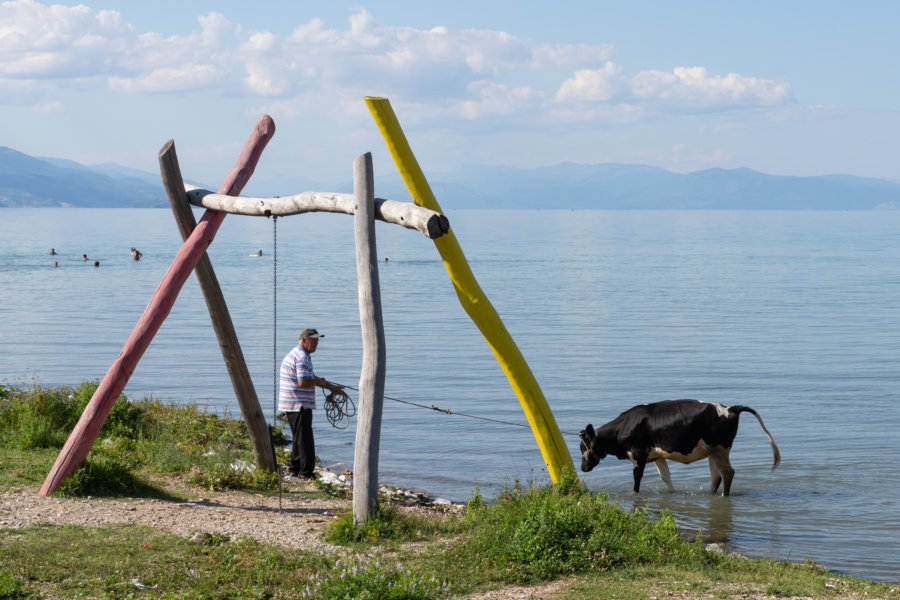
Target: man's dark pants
point(303, 447)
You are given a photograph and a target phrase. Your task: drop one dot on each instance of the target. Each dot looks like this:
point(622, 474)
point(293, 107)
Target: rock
point(242, 466)
point(716, 549)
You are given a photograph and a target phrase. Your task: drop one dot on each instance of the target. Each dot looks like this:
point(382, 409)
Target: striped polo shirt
point(296, 366)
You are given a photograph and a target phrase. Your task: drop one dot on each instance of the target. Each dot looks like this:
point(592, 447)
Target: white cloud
point(594, 85)
point(168, 79)
point(58, 42)
point(496, 100)
point(685, 89)
point(465, 74)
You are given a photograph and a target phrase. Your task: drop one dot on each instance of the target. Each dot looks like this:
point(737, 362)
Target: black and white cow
point(679, 430)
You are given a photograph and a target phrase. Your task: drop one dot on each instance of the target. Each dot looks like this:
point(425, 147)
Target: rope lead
point(446, 411)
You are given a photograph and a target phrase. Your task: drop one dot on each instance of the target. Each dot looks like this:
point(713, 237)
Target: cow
point(679, 430)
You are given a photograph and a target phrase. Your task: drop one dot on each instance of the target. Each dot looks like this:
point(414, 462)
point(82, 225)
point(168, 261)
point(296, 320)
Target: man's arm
point(319, 382)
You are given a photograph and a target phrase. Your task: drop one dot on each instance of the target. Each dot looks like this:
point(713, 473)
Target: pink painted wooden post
point(82, 437)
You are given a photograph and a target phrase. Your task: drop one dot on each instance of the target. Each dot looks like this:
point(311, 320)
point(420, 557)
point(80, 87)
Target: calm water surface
point(794, 314)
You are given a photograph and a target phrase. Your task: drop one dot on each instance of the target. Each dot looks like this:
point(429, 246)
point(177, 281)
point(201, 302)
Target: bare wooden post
point(85, 432)
point(371, 378)
point(218, 314)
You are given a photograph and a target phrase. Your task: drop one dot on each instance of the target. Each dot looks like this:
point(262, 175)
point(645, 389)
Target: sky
point(787, 88)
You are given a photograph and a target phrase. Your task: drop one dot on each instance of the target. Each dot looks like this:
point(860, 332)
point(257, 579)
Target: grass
point(138, 440)
point(527, 535)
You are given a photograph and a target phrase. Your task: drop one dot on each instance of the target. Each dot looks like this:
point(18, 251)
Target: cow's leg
point(723, 466)
point(714, 475)
point(663, 467)
point(640, 461)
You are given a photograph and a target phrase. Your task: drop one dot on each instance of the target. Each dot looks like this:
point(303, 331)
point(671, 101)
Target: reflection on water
point(710, 517)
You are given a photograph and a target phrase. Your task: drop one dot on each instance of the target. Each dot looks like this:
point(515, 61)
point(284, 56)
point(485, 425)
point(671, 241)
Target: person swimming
point(84, 257)
point(96, 263)
point(136, 254)
point(52, 251)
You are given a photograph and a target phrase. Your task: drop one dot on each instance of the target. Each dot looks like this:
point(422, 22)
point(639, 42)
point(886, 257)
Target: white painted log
point(372, 373)
point(430, 223)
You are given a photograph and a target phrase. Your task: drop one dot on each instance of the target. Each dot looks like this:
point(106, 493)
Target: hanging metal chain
point(275, 365)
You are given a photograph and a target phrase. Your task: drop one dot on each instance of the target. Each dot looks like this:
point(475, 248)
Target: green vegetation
point(138, 439)
point(527, 535)
point(544, 532)
point(388, 526)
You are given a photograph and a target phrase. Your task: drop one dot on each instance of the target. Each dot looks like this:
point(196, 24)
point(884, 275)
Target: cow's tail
point(775, 452)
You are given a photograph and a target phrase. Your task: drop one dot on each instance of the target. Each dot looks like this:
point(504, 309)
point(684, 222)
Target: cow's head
point(590, 453)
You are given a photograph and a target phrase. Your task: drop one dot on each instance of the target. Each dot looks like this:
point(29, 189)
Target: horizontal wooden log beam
point(428, 222)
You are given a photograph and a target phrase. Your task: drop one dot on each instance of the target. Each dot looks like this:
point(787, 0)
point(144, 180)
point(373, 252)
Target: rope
point(338, 407)
point(449, 412)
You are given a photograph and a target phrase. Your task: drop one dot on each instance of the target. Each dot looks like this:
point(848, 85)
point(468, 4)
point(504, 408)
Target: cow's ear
point(587, 433)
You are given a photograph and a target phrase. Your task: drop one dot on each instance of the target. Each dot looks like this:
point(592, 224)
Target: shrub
point(230, 476)
point(11, 588)
point(385, 524)
point(546, 531)
point(106, 477)
point(44, 418)
point(388, 524)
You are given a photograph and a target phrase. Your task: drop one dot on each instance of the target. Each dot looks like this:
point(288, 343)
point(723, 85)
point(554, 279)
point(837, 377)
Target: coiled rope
point(338, 408)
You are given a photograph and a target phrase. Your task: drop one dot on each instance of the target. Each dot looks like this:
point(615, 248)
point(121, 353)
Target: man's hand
point(324, 383)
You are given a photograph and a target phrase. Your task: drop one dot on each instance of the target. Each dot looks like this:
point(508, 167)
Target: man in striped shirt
point(297, 398)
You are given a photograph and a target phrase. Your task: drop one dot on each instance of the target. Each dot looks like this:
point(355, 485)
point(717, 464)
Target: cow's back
point(676, 426)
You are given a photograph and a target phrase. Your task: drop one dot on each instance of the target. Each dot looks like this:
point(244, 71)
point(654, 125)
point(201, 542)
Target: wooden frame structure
point(424, 216)
point(192, 256)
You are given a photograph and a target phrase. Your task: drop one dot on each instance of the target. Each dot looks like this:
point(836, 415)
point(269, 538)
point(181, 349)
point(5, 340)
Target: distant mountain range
point(30, 181)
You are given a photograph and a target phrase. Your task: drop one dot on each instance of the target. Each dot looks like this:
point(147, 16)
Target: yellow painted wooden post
point(474, 301)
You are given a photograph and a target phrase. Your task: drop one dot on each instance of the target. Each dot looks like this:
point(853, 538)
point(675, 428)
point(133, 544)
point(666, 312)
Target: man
point(297, 398)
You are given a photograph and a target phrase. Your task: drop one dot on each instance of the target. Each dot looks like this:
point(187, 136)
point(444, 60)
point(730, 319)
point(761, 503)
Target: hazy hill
point(30, 181)
point(617, 186)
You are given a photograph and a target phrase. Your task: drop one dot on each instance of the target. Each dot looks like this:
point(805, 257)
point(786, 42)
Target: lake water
point(796, 314)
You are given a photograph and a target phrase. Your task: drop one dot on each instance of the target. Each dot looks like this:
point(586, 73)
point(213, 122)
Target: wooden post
point(218, 314)
point(371, 378)
point(85, 432)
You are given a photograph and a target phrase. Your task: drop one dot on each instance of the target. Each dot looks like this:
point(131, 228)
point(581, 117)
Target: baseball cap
point(309, 332)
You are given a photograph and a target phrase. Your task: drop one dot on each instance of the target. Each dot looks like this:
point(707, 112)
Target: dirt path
point(298, 523)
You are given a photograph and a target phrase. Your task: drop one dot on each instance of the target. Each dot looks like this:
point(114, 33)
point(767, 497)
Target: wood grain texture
point(372, 373)
point(429, 223)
